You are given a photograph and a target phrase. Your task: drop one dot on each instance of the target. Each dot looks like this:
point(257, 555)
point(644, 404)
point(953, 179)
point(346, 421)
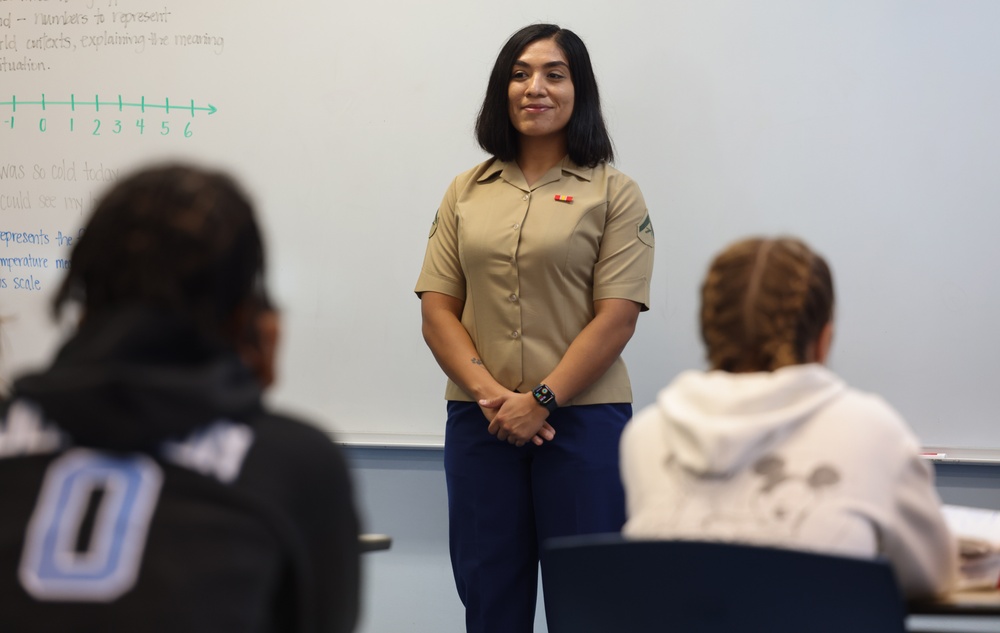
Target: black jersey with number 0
point(143, 487)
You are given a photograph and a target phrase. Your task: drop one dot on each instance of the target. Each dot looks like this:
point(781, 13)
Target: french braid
point(763, 303)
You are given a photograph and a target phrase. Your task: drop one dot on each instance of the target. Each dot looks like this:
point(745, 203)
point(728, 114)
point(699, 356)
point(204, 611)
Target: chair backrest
point(606, 584)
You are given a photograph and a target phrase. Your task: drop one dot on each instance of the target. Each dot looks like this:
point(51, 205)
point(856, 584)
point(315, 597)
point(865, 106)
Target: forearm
point(588, 357)
point(594, 349)
point(453, 348)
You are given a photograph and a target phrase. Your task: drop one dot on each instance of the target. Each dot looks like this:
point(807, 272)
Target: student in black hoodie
point(143, 484)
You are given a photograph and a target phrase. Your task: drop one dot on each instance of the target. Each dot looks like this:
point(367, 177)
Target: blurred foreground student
point(144, 485)
point(770, 446)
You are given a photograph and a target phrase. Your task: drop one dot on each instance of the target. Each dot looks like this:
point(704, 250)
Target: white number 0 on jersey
point(54, 566)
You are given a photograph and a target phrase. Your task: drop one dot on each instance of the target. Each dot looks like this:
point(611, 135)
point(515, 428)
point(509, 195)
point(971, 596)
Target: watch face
point(543, 395)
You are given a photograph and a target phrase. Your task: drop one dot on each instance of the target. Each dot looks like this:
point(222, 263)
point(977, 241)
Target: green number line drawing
point(120, 104)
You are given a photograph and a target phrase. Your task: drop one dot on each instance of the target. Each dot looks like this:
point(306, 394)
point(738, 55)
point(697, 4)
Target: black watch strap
point(545, 397)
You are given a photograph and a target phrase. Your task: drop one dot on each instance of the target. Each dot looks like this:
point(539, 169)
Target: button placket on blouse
point(513, 297)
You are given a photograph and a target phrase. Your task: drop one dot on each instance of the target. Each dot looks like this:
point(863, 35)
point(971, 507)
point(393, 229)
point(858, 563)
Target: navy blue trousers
point(505, 501)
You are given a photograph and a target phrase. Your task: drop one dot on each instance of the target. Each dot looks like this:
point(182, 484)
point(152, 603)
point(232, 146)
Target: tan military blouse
point(529, 262)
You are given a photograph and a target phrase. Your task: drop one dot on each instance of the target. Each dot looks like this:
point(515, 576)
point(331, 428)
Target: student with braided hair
point(770, 446)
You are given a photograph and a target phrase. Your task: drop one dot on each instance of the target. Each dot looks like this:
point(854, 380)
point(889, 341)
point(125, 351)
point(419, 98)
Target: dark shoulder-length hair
point(587, 139)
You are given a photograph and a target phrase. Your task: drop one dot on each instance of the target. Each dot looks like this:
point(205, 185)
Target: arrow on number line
point(120, 104)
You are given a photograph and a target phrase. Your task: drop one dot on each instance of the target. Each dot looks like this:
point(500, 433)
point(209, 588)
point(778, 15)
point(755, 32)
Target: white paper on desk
point(977, 525)
point(978, 534)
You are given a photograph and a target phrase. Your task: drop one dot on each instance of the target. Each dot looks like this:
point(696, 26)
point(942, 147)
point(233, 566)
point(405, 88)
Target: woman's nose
point(536, 85)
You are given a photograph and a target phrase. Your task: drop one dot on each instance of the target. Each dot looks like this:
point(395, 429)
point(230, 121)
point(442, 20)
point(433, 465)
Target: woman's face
point(540, 94)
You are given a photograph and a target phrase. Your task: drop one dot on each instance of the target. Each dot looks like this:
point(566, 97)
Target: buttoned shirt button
point(517, 226)
point(525, 197)
point(514, 334)
point(512, 298)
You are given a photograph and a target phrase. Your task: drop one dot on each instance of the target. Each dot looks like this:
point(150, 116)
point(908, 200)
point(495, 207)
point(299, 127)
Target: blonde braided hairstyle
point(764, 304)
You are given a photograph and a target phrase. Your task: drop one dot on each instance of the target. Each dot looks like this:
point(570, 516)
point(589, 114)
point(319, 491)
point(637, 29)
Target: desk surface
point(374, 542)
point(960, 603)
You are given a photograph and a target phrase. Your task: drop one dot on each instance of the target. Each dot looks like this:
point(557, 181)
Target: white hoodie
point(791, 458)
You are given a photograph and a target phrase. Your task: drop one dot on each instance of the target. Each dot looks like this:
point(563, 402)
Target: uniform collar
point(584, 173)
point(509, 171)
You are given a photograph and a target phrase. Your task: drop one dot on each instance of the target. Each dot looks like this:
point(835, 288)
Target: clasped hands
point(517, 418)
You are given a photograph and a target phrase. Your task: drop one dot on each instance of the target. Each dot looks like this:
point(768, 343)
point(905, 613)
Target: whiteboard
point(867, 127)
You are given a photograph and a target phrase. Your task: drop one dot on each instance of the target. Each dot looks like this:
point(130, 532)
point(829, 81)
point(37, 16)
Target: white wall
point(866, 126)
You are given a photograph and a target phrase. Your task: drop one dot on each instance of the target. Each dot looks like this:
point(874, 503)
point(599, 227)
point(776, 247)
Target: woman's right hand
point(454, 351)
point(491, 407)
point(489, 411)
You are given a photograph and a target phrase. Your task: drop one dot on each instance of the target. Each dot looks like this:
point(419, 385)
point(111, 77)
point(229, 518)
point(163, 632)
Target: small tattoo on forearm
point(476, 361)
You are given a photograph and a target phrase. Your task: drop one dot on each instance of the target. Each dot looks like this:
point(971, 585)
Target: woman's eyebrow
point(551, 64)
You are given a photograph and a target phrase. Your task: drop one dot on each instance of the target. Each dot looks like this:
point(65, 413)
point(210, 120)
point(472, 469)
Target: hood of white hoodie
point(719, 422)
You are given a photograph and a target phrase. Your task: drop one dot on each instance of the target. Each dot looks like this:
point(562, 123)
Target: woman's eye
point(519, 74)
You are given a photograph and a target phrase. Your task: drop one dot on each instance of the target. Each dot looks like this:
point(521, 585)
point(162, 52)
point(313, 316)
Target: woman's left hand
point(519, 419)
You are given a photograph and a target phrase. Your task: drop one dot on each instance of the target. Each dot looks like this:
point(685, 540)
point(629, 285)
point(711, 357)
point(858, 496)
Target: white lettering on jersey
point(24, 432)
point(217, 450)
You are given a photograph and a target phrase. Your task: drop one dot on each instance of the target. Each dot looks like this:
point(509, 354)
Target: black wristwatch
point(545, 397)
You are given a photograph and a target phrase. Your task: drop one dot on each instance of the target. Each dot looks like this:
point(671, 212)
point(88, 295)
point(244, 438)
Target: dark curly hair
point(174, 238)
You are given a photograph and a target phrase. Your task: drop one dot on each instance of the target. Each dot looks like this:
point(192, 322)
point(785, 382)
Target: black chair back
point(606, 584)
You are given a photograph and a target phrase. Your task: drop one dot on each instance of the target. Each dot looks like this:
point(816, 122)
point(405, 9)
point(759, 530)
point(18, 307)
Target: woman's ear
point(824, 342)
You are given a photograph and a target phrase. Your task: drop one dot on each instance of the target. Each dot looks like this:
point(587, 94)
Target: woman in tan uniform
point(537, 267)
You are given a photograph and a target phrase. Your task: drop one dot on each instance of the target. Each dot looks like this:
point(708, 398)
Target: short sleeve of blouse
point(442, 269)
point(624, 267)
